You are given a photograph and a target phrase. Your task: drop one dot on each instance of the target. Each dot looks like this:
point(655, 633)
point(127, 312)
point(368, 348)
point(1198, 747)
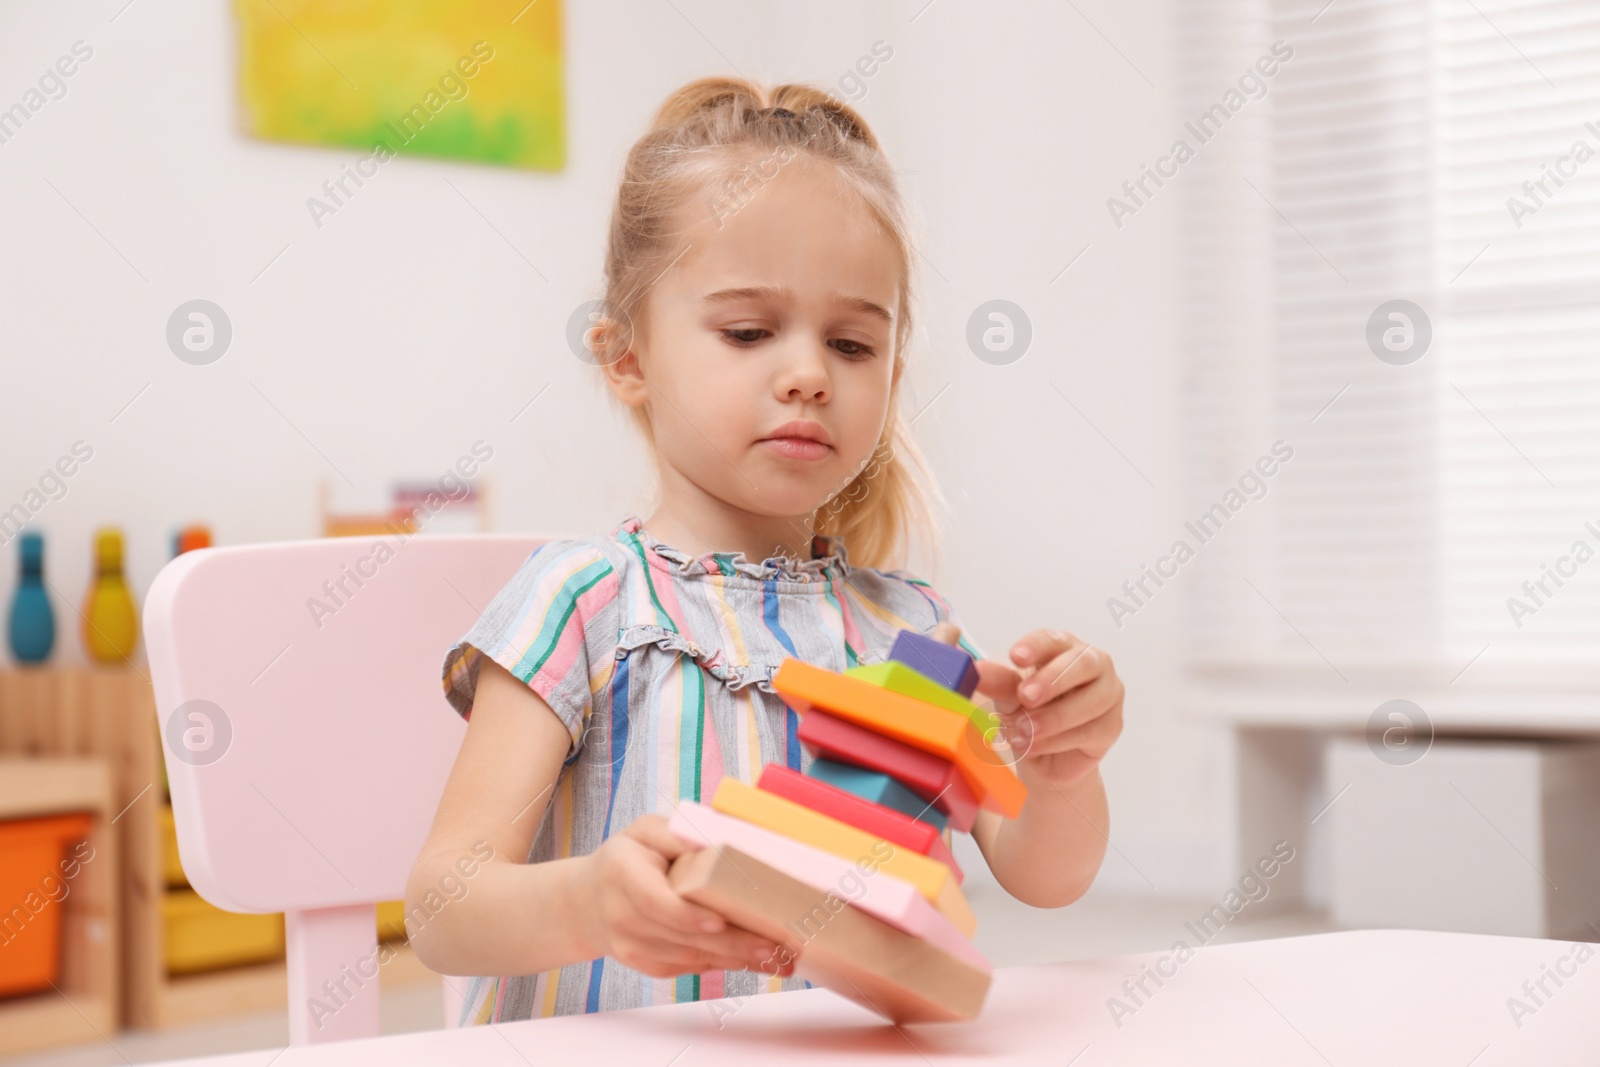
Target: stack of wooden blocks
point(846, 865)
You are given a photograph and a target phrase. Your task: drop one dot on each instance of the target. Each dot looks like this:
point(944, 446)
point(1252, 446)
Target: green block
point(898, 678)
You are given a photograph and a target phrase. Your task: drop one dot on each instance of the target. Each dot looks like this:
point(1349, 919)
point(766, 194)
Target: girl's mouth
point(797, 447)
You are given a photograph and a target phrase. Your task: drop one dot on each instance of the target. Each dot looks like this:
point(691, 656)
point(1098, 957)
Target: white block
point(1488, 837)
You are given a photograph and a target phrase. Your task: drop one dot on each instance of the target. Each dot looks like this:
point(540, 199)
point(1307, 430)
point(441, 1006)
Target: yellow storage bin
point(171, 869)
point(392, 920)
point(202, 937)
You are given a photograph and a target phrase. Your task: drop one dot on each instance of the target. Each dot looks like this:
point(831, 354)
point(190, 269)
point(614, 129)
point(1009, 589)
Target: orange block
point(923, 726)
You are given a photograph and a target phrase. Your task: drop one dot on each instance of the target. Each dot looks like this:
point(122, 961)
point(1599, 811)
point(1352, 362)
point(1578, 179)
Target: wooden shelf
point(109, 714)
point(83, 1006)
point(30, 787)
point(47, 1020)
point(261, 987)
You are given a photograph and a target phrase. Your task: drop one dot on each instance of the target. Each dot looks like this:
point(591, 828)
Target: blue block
point(879, 788)
point(949, 665)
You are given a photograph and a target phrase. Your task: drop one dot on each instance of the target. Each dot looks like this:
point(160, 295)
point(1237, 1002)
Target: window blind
point(1435, 512)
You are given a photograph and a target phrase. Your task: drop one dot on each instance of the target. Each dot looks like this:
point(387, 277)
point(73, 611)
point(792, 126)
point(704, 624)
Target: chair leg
point(332, 956)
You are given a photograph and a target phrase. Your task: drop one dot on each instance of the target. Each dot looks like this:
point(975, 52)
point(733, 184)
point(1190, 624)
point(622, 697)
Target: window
point(1439, 518)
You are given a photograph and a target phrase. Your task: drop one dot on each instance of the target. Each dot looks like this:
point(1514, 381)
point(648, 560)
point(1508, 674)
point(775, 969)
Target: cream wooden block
point(875, 892)
point(901, 977)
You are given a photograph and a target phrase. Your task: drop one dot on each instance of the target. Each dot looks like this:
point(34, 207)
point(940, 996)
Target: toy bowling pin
point(31, 628)
point(190, 538)
point(111, 624)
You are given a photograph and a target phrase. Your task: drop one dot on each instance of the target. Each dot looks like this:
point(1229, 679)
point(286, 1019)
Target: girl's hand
point(634, 916)
point(1061, 711)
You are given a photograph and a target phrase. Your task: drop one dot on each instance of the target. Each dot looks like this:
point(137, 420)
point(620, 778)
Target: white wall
point(1017, 122)
point(406, 328)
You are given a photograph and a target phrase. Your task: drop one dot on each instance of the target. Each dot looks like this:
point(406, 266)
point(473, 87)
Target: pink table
point(1362, 999)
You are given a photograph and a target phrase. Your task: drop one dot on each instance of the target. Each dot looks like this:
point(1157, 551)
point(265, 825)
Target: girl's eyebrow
point(780, 295)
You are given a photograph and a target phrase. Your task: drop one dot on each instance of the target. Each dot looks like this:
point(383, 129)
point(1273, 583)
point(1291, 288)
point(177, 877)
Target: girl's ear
point(624, 374)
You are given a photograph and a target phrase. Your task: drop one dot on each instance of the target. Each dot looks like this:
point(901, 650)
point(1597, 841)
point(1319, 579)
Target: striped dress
point(660, 665)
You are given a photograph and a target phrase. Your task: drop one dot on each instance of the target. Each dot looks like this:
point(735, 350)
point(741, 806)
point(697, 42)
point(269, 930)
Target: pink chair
point(307, 739)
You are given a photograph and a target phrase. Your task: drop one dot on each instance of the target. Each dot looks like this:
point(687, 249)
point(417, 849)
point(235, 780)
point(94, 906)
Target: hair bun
point(707, 94)
point(748, 102)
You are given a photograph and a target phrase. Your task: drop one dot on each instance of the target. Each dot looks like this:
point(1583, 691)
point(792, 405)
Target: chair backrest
point(307, 739)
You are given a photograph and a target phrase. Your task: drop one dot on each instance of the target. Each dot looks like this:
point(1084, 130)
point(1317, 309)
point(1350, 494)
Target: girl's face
point(776, 324)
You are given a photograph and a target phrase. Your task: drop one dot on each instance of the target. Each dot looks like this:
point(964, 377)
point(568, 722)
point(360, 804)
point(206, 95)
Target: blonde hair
point(724, 130)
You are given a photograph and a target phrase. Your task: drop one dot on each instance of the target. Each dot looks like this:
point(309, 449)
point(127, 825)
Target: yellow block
point(202, 937)
point(930, 878)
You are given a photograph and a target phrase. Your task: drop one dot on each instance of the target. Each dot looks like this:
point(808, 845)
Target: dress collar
point(828, 559)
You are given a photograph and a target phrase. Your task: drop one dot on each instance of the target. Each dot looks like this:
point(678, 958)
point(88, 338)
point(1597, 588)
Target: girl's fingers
point(733, 949)
point(998, 681)
point(670, 919)
point(652, 897)
point(677, 921)
point(674, 920)
point(735, 943)
point(1082, 705)
point(1062, 673)
point(683, 959)
point(659, 932)
point(1039, 646)
point(1094, 737)
point(651, 831)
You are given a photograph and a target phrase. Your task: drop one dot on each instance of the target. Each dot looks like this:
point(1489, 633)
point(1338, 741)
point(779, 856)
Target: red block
point(933, 778)
point(863, 814)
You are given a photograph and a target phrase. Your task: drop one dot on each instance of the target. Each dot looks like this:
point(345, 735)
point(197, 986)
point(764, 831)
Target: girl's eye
point(743, 336)
point(853, 349)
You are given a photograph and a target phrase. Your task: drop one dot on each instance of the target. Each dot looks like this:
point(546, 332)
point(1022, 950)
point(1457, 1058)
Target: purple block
point(949, 665)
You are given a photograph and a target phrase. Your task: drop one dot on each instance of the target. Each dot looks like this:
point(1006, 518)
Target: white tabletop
point(1362, 999)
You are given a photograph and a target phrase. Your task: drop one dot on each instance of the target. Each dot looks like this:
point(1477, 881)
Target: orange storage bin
point(31, 876)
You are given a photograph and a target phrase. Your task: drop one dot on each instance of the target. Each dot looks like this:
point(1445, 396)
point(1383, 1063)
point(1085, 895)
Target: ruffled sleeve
point(554, 627)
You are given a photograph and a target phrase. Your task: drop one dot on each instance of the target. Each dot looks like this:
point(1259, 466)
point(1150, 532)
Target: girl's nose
point(805, 371)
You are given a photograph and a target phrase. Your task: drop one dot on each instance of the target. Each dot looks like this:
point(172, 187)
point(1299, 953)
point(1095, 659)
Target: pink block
point(888, 898)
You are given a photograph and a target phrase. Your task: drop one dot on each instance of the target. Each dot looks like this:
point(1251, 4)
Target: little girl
point(757, 311)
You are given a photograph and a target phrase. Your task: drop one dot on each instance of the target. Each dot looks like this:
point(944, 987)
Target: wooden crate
point(83, 1006)
point(109, 712)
